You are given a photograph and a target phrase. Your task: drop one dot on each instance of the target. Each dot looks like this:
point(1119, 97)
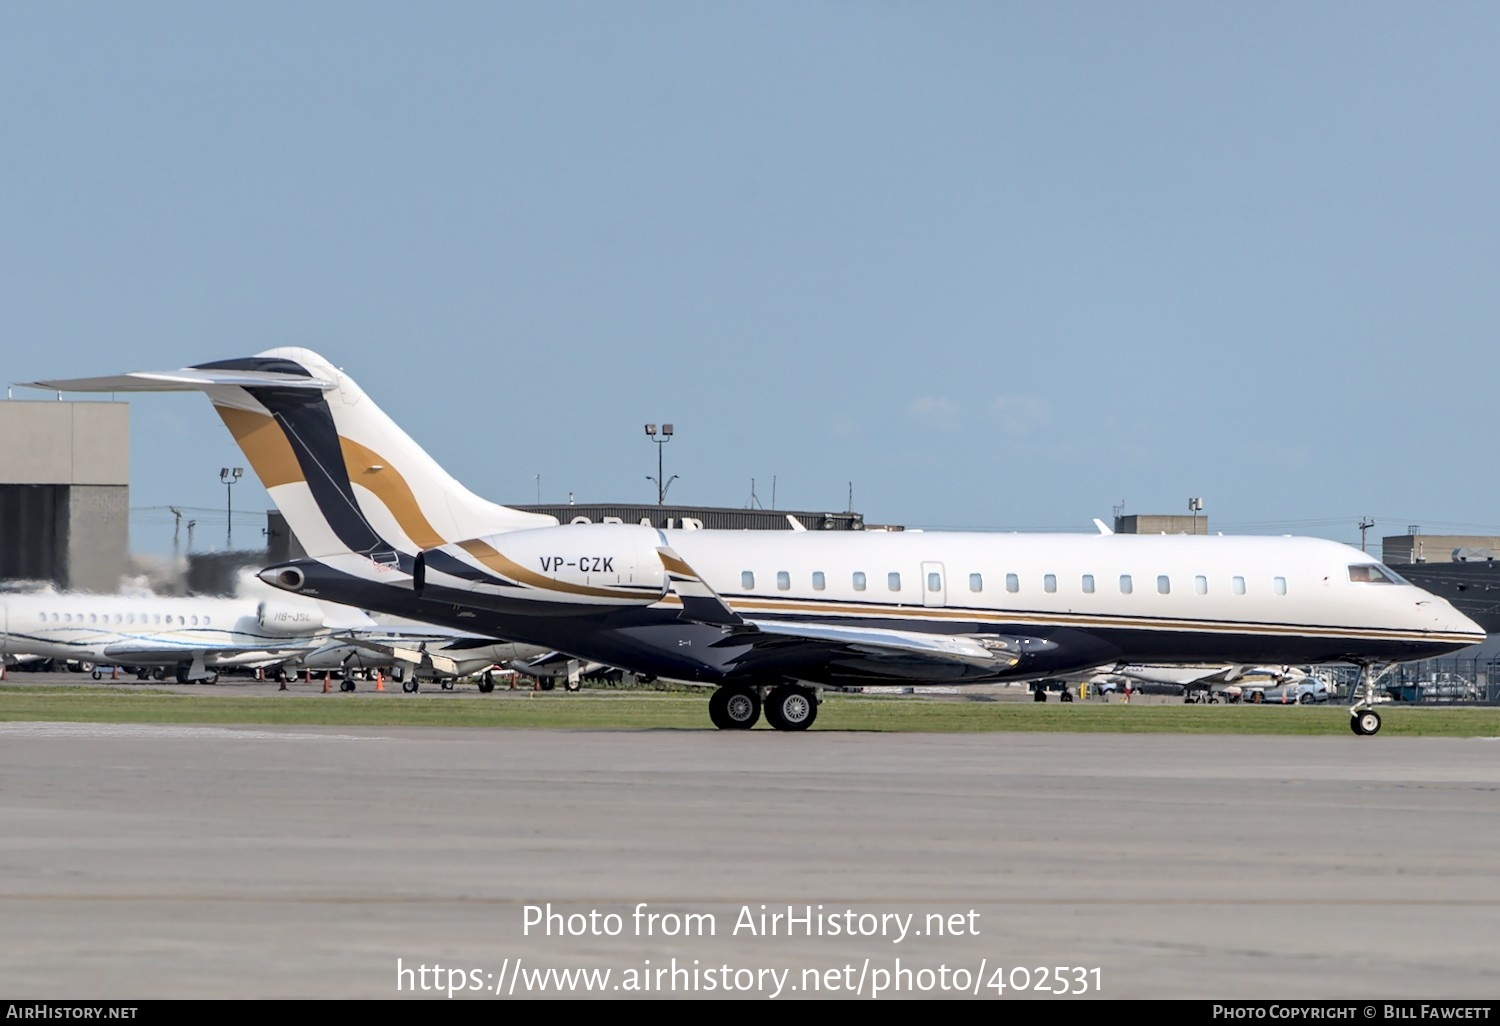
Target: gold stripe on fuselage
point(513, 571)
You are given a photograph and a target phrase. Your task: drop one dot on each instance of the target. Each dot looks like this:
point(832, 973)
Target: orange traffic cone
point(379, 681)
point(114, 673)
point(326, 686)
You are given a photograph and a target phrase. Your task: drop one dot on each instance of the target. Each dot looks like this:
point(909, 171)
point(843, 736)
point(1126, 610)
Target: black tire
point(1306, 698)
point(409, 685)
point(733, 707)
point(791, 707)
point(1365, 722)
point(96, 674)
point(86, 667)
point(547, 684)
point(574, 685)
point(486, 684)
point(346, 684)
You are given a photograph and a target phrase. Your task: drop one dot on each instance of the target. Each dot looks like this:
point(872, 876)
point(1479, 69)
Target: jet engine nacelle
point(573, 564)
point(288, 621)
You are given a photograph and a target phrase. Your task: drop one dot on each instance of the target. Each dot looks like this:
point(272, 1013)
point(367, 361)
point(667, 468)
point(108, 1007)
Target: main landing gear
point(1363, 719)
point(787, 706)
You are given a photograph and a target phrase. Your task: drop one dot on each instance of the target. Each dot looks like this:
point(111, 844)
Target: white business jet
point(772, 618)
point(190, 638)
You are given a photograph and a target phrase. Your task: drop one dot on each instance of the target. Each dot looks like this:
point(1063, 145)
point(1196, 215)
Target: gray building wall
point(65, 493)
point(1438, 548)
point(1161, 524)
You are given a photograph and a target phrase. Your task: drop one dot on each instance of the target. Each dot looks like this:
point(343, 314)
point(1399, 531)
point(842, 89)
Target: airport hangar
point(65, 518)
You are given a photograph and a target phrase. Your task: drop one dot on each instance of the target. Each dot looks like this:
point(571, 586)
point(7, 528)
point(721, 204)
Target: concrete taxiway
point(141, 862)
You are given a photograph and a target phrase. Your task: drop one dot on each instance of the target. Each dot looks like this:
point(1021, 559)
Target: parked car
point(1303, 692)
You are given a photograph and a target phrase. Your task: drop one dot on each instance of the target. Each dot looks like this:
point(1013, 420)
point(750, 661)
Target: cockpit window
point(1373, 573)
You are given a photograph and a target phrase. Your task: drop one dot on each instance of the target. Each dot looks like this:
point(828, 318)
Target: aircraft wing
point(783, 644)
point(154, 653)
point(406, 649)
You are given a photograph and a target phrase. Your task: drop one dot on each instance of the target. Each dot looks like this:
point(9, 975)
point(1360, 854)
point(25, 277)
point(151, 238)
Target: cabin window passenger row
point(819, 583)
point(1163, 584)
point(1012, 583)
point(976, 582)
point(893, 581)
point(747, 580)
point(1126, 585)
point(934, 582)
point(783, 580)
point(1088, 584)
point(859, 580)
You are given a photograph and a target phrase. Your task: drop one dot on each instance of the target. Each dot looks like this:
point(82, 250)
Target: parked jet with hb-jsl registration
point(771, 618)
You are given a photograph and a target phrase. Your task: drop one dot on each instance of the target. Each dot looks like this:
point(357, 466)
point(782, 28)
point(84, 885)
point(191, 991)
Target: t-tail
point(350, 483)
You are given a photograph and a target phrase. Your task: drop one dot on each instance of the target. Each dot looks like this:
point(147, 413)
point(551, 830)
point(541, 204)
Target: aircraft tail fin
point(345, 476)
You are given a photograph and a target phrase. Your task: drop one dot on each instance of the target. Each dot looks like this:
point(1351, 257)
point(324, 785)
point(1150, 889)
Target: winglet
point(1103, 528)
point(700, 603)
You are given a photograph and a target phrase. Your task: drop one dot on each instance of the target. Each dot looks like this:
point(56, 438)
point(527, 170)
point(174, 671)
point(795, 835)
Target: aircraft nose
point(1452, 620)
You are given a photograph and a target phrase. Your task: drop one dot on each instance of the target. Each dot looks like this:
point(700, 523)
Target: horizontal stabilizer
point(189, 379)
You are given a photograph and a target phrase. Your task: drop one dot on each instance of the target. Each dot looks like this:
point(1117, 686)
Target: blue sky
point(982, 265)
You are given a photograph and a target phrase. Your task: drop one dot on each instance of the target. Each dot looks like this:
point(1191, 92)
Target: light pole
point(1195, 505)
point(229, 475)
point(661, 486)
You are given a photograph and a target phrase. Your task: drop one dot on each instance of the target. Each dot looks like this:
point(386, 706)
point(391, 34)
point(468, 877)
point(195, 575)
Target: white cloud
point(934, 412)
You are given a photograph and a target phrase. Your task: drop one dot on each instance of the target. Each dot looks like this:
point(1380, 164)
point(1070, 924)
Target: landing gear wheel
point(791, 707)
point(409, 685)
point(446, 685)
point(96, 674)
point(486, 684)
point(346, 684)
point(1365, 722)
point(734, 708)
point(1213, 699)
point(574, 685)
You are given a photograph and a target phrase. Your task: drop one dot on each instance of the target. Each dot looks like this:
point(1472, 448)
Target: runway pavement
point(141, 862)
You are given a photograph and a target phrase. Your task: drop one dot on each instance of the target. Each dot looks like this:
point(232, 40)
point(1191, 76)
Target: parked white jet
point(771, 618)
point(1198, 683)
point(415, 652)
point(189, 637)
